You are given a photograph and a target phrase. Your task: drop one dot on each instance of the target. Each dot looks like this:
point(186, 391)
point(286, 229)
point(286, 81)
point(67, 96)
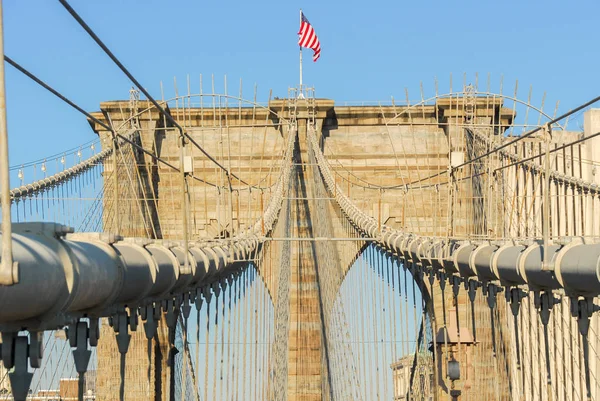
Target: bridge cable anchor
point(492, 291)
point(17, 351)
point(544, 302)
point(514, 297)
point(197, 299)
point(147, 314)
point(583, 309)
point(172, 311)
point(121, 327)
point(472, 291)
point(186, 308)
point(80, 335)
point(456, 280)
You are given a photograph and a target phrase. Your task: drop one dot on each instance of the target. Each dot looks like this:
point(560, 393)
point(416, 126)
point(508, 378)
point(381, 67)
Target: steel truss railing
point(576, 263)
point(63, 176)
point(73, 279)
point(528, 163)
point(574, 268)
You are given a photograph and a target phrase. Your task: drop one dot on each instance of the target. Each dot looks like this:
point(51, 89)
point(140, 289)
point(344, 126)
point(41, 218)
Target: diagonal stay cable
point(490, 152)
point(94, 119)
point(539, 156)
point(556, 175)
point(167, 115)
point(528, 134)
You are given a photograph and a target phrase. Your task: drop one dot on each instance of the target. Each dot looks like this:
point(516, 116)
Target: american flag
point(308, 38)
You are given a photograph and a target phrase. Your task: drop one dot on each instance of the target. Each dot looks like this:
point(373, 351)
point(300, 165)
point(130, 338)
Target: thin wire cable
point(86, 27)
point(94, 119)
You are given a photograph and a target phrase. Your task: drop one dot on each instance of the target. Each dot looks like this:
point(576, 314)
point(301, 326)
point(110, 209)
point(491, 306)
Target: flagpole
point(300, 95)
point(301, 68)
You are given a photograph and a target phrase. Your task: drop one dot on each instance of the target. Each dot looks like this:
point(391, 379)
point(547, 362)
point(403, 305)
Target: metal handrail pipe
point(202, 264)
point(141, 269)
point(531, 269)
point(481, 262)
point(504, 264)
point(65, 275)
point(578, 268)
point(167, 272)
point(58, 275)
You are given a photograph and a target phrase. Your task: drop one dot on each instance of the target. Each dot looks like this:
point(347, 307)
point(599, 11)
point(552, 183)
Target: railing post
point(546, 210)
point(115, 165)
point(262, 213)
point(379, 211)
point(184, 199)
point(8, 269)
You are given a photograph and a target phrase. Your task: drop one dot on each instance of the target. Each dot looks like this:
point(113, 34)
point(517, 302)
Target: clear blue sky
point(370, 51)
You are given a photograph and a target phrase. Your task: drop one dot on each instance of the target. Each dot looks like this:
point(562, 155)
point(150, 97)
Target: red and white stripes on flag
point(308, 38)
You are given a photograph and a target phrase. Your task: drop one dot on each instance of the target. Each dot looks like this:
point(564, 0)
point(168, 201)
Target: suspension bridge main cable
point(94, 119)
point(167, 115)
point(55, 156)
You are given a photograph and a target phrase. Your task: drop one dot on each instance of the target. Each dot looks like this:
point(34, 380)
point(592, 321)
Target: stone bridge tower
point(388, 144)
